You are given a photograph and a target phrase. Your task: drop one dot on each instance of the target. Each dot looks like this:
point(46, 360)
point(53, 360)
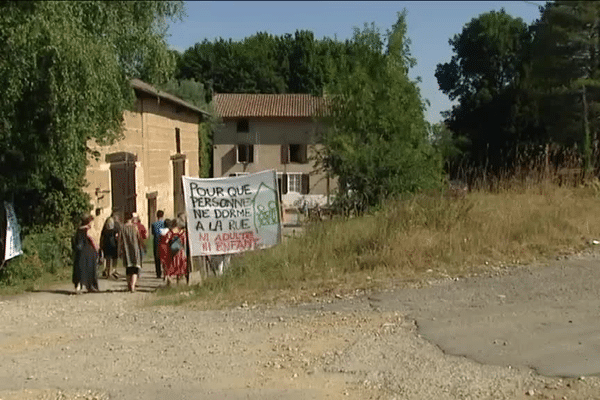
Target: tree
point(262, 63)
point(487, 59)
point(483, 76)
point(450, 146)
point(65, 70)
point(376, 137)
point(566, 72)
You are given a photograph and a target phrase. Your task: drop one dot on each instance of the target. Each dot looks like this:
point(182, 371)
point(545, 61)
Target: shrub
point(46, 253)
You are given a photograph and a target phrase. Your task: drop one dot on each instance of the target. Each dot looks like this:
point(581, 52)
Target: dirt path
point(54, 345)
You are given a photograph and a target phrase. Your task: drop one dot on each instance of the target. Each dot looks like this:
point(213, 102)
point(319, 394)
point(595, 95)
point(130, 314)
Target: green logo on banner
point(266, 209)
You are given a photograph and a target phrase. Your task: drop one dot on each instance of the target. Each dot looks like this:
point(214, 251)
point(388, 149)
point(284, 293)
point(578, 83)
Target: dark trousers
point(157, 265)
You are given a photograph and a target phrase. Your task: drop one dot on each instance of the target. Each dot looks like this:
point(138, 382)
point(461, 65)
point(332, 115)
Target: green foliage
point(376, 138)
point(566, 72)
point(65, 70)
point(483, 76)
point(520, 86)
point(250, 66)
point(263, 63)
point(46, 251)
point(450, 146)
point(487, 58)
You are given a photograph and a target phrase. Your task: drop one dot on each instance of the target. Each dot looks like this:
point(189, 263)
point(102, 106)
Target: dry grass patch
point(410, 240)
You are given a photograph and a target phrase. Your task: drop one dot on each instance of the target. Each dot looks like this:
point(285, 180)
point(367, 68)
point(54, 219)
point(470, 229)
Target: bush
point(46, 254)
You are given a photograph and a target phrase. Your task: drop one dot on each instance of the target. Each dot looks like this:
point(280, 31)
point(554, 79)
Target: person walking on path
point(183, 221)
point(131, 251)
point(143, 233)
point(177, 241)
point(156, 234)
point(163, 247)
point(85, 253)
point(109, 243)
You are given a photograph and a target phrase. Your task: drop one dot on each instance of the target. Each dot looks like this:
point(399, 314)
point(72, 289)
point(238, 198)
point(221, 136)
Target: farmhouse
point(142, 172)
point(272, 131)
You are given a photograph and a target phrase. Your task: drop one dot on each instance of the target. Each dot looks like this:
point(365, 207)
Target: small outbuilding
point(142, 172)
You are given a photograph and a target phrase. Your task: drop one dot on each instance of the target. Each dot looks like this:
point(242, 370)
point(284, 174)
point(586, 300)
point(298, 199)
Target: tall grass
point(410, 240)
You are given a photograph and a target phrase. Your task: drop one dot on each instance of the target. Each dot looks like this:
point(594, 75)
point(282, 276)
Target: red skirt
point(176, 264)
point(163, 249)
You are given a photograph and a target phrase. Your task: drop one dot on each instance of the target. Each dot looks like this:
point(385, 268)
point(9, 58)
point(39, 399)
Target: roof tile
point(230, 105)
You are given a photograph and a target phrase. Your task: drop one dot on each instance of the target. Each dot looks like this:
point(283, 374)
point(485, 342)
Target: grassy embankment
point(421, 238)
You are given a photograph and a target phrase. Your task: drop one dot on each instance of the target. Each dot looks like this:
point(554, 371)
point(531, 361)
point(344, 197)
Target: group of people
point(127, 241)
point(170, 247)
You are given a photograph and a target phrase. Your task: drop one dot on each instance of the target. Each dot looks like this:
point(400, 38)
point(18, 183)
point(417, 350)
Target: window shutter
point(305, 184)
point(250, 153)
point(285, 154)
point(284, 183)
point(304, 154)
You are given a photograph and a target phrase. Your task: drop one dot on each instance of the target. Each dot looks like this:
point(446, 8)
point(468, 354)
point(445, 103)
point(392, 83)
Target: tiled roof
point(229, 105)
point(149, 89)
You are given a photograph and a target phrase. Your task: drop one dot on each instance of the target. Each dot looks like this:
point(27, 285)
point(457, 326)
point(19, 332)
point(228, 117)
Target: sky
point(430, 25)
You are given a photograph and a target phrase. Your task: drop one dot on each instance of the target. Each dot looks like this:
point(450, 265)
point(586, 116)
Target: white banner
point(232, 215)
point(13, 233)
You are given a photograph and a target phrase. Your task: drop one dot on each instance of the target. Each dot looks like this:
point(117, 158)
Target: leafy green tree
point(483, 76)
point(65, 70)
point(263, 63)
point(306, 72)
point(566, 72)
point(487, 58)
point(450, 146)
point(376, 138)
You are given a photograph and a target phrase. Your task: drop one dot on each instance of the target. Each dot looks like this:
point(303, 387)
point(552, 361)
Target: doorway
point(122, 182)
point(178, 172)
point(152, 208)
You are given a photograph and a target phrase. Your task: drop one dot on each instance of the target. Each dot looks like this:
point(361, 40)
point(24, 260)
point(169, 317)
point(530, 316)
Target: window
point(294, 153)
point(294, 183)
point(243, 125)
point(298, 153)
point(178, 140)
point(245, 153)
point(281, 184)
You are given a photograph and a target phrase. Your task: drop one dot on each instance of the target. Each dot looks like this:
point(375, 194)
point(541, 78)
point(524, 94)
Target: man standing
point(131, 251)
point(156, 228)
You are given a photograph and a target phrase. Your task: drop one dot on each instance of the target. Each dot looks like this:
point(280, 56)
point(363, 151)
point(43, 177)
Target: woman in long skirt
point(177, 262)
point(85, 253)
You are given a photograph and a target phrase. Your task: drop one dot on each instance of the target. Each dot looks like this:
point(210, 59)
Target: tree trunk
point(587, 148)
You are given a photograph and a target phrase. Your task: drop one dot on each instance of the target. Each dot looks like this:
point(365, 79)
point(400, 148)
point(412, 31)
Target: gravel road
point(449, 340)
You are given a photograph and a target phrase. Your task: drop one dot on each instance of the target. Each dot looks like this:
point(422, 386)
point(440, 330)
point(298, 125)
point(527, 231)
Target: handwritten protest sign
point(232, 215)
point(13, 231)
